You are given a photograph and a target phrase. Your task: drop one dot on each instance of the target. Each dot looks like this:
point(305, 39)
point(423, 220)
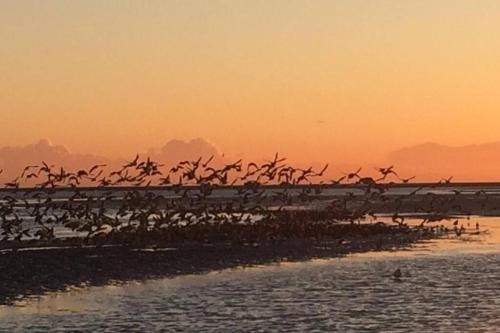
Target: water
point(225, 192)
point(450, 285)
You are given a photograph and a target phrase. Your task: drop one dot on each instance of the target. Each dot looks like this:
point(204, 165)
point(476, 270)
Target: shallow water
point(450, 285)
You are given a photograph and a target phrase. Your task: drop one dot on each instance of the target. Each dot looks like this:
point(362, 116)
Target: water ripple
point(441, 291)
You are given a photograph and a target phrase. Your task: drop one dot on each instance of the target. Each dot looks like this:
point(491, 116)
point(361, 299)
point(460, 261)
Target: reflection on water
point(449, 285)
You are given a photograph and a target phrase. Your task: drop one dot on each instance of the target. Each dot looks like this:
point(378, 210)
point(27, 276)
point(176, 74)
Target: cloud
point(432, 161)
point(177, 150)
point(428, 161)
point(14, 159)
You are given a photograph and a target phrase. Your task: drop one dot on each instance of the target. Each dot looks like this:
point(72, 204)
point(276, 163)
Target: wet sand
point(28, 273)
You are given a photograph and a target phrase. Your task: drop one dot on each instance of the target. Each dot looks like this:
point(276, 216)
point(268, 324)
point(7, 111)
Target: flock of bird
point(144, 201)
point(148, 172)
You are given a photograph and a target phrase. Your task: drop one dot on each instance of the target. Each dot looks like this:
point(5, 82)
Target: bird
point(131, 163)
point(204, 165)
point(352, 175)
point(27, 168)
point(95, 167)
point(446, 180)
point(407, 180)
point(386, 172)
point(320, 174)
point(13, 184)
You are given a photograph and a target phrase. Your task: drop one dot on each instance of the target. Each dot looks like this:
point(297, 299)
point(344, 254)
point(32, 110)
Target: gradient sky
point(311, 79)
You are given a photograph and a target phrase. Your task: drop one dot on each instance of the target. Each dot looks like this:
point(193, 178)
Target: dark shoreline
point(32, 273)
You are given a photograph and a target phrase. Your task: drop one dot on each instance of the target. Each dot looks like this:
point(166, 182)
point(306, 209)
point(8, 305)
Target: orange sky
point(311, 79)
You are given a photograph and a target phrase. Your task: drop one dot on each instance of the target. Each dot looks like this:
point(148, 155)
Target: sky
point(315, 80)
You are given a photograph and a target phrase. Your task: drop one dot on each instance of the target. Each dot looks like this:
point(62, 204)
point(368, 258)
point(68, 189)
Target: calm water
point(449, 286)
